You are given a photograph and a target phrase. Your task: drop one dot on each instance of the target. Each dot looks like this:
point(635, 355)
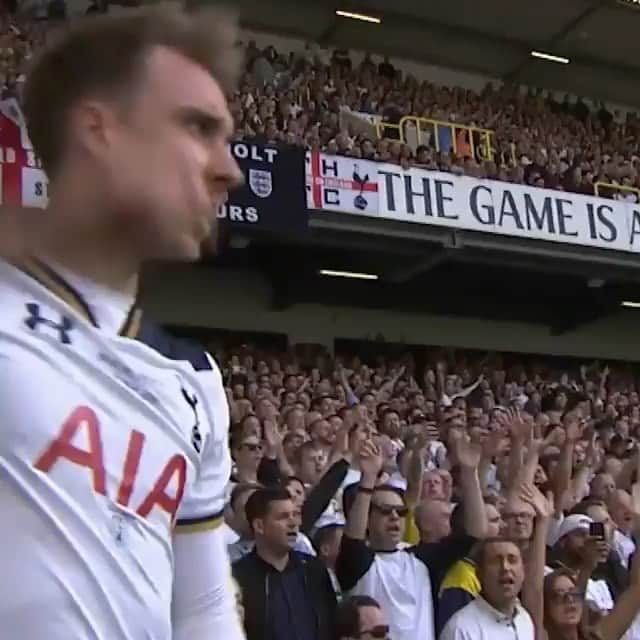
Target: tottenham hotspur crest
point(196, 436)
point(260, 182)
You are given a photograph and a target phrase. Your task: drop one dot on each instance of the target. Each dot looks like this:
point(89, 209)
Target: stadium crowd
point(463, 500)
point(457, 499)
point(302, 98)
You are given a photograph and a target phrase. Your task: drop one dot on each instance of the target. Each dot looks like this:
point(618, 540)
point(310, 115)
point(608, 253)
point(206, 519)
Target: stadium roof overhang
point(490, 37)
point(438, 270)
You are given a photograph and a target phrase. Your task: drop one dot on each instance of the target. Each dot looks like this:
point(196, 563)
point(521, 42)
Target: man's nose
point(236, 176)
point(228, 170)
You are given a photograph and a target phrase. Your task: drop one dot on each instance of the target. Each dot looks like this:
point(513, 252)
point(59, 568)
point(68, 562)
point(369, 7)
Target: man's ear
point(92, 123)
point(257, 526)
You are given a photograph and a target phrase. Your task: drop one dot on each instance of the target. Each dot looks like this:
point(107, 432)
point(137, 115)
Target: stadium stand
point(372, 110)
point(410, 479)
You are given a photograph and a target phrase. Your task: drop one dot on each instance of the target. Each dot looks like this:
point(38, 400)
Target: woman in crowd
point(566, 617)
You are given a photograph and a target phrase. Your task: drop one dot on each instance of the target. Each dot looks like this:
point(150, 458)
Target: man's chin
point(210, 245)
point(185, 250)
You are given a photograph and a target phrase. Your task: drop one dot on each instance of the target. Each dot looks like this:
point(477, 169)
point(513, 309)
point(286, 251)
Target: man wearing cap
point(576, 550)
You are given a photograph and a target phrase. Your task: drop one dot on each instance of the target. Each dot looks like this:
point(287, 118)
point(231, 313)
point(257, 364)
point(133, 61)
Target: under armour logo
point(35, 320)
point(196, 436)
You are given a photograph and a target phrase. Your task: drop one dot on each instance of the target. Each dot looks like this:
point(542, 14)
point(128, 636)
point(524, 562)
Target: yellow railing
point(411, 129)
point(599, 187)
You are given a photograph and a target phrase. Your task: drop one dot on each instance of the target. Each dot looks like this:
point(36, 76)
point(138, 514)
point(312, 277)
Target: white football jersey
point(108, 440)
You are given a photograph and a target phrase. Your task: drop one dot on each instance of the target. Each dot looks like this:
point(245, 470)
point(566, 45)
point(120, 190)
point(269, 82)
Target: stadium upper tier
point(373, 110)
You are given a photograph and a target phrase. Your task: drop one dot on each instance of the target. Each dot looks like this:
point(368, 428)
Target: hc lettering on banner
point(460, 202)
point(336, 183)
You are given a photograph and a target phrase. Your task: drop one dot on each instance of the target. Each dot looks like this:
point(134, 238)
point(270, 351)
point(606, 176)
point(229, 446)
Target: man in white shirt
point(374, 562)
point(496, 614)
point(114, 437)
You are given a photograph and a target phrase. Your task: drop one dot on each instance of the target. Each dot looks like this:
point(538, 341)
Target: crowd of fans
point(467, 499)
point(301, 98)
point(460, 499)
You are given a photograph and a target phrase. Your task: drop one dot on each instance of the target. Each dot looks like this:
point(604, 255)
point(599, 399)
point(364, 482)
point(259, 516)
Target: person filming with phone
point(583, 547)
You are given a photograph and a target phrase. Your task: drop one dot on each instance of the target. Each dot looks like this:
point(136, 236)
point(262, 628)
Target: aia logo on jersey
point(164, 494)
point(196, 437)
point(37, 322)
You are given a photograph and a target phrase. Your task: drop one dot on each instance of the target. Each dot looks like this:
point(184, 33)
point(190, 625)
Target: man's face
point(433, 486)
point(621, 510)
point(450, 385)
point(494, 520)
point(265, 409)
point(295, 419)
point(326, 407)
point(296, 490)
point(311, 465)
point(372, 624)
point(518, 519)
point(292, 442)
point(369, 402)
point(336, 425)
point(238, 391)
point(164, 157)
point(249, 453)
point(391, 424)
point(561, 401)
point(323, 433)
point(475, 417)
point(501, 572)
point(279, 527)
point(360, 433)
point(430, 408)
point(251, 427)
point(434, 522)
point(386, 519)
point(573, 544)
point(602, 486)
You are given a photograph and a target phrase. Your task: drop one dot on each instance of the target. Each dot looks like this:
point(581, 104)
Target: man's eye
point(202, 126)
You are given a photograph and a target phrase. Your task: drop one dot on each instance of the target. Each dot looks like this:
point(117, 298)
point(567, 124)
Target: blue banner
point(273, 196)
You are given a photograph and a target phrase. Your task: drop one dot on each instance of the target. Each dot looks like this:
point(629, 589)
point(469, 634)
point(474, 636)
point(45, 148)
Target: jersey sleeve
point(202, 505)
point(354, 560)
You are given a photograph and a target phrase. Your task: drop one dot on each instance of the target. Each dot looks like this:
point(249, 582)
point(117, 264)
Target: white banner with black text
point(386, 191)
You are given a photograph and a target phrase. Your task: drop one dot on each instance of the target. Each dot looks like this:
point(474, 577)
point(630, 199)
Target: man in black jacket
point(286, 595)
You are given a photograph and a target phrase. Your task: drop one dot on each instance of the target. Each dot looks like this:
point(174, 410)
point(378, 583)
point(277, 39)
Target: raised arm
point(468, 454)
point(470, 389)
point(561, 479)
point(355, 556)
point(627, 607)
point(512, 421)
point(532, 589)
point(415, 470)
point(274, 449)
point(371, 460)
